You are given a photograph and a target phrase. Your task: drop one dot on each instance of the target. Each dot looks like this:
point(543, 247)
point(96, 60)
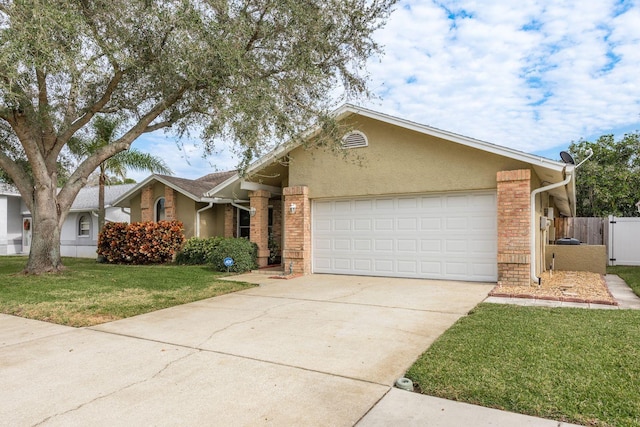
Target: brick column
point(514, 216)
point(146, 204)
point(170, 196)
point(297, 229)
point(229, 223)
point(259, 232)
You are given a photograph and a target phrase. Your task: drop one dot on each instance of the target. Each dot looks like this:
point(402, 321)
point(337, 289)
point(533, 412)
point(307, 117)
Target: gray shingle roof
point(87, 198)
point(198, 187)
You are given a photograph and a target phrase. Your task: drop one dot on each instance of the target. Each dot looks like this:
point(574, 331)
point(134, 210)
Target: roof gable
point(195, 189)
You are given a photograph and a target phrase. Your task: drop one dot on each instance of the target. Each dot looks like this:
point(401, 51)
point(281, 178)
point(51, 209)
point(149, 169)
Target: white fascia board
point(254, 186)
point(450, 136)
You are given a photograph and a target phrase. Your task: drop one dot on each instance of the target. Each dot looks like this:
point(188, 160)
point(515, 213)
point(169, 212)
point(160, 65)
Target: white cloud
point(531, 75)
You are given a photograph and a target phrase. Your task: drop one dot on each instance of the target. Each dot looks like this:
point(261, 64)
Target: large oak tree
point(249, 71)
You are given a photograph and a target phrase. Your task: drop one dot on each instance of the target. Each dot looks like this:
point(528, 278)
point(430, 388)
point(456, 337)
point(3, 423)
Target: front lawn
point(88, 293)
point(574, 365)
point(631, 275)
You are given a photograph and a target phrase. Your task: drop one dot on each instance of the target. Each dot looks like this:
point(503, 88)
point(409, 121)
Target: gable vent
point(355, 139)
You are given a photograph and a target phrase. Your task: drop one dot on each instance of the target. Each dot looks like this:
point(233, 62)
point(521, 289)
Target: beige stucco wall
point(397, 161)
point(136, 215)
point(211, 220)
point(578, 257)
point(186, 212)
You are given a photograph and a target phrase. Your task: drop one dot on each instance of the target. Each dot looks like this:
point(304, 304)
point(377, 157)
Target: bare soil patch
point(570, 286)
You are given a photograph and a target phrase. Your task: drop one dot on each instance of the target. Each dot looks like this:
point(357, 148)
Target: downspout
point(209, 206)
point(216, 201)
point(534, 193)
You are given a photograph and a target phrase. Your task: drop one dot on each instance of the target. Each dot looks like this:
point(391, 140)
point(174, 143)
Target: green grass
point(631, 275)
point(573, 365)
point(88, 293)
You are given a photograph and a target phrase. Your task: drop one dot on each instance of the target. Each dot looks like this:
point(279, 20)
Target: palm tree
point(105, 129)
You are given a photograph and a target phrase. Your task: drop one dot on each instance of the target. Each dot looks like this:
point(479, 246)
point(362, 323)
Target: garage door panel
point(342, 244)
point(408, 204)
point(362, 265)
point(407, 245)
point(384, 245)
point(430, 224)
point(430, 245)
point(430, 236)
point(383, 266)
point(362, 224)
point(362, 245)
point(342, 265)
point(384, 205)
point(407, 267)
point(433, 203)
point(407, 224)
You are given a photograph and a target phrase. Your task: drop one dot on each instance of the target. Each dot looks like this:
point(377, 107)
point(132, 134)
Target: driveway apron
point(316, 350)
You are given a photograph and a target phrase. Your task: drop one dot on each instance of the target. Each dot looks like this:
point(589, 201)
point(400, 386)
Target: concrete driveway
point(316, 350)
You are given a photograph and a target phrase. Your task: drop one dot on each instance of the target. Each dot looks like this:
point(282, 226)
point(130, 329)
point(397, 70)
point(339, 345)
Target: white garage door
point(443, 236)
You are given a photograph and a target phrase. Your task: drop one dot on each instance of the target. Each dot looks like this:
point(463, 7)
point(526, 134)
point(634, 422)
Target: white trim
point(254, 186)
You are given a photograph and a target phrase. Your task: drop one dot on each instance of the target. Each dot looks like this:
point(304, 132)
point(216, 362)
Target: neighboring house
point(79, 234)
point(407, 201)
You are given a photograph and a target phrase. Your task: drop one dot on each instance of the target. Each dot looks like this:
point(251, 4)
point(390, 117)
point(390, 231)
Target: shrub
point(140, 242)
point(197, 251)
point(242, 251)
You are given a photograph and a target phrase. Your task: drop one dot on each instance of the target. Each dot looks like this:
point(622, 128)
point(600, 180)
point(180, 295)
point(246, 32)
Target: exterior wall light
point(252, 211)
point(292, 208)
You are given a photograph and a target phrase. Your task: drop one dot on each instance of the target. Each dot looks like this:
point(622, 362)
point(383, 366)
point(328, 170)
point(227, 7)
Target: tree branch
point(19, 177)
point(159, 125)
point(96, 107)
point(48, 132)
point(78, 179)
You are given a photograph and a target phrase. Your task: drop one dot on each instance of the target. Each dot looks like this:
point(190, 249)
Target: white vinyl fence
point(624, 241)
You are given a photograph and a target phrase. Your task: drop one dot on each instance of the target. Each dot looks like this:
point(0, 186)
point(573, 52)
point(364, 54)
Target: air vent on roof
point(355, 139)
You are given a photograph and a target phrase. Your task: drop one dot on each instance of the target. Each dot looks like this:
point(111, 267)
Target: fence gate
point(624, 241)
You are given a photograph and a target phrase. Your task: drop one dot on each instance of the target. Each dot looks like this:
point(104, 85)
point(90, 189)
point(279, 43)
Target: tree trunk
point(44, 256)
point(101, 210)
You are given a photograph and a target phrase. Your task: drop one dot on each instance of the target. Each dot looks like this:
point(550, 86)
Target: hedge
point(241, 250)
point(140, 242)
point(197, 251)
point(214, 250)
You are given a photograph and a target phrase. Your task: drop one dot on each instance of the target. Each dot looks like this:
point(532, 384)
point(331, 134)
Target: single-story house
point(406, 200)
point(79, 234)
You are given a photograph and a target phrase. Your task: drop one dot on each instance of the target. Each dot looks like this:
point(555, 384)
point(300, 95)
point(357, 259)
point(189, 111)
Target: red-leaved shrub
point(140, 242)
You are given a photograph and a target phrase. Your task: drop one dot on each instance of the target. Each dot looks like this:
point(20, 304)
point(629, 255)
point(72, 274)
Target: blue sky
point(530, 75)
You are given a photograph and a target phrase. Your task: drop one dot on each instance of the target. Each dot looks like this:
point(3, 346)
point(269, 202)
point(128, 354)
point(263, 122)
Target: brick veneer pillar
point(297, 229)
point(146, 204)
point(514, 216)
point(170, 196)
point(259, 224)
point(229, 223)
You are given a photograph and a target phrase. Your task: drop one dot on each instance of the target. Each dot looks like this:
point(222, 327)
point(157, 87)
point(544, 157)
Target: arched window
point(159, 209)
point(84, 225)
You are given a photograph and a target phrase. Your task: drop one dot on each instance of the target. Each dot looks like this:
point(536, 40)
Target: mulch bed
point(569, 286)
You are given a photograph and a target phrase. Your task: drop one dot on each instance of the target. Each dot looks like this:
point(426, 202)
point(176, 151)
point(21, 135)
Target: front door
point(26, 235)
